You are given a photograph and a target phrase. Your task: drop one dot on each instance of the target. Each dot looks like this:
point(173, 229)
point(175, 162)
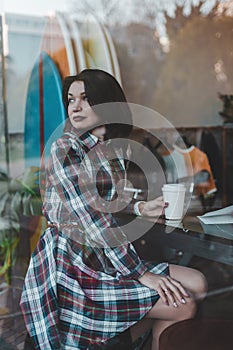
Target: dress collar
point(86, 138)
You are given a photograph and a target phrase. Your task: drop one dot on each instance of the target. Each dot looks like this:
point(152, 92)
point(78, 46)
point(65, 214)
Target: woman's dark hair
point(102, 89)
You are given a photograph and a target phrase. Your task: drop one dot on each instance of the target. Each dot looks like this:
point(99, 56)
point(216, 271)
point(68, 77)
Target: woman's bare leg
point(141, 327)
point(195, 283)
point(161, 315)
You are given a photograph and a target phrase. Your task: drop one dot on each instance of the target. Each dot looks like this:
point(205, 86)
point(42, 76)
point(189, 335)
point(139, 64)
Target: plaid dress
point(82, 285)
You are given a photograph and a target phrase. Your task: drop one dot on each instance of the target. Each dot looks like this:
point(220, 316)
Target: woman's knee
point(193, 280)
point(200, 285)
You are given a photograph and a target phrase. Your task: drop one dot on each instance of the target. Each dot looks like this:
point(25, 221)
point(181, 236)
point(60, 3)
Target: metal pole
point(3, 110)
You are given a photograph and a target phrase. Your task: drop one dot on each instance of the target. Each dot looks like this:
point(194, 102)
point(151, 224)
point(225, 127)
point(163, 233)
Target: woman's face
point(80, 113)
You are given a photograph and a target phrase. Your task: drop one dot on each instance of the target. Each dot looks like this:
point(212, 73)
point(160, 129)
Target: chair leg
point(141, 342)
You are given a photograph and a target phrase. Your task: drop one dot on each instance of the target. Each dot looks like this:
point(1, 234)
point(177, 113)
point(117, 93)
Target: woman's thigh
point(164, 312)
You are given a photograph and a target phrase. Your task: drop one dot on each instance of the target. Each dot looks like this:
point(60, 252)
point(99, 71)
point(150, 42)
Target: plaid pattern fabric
point(79, 288)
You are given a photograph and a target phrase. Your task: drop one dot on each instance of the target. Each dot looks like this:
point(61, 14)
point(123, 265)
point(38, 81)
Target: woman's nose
point(77, 105)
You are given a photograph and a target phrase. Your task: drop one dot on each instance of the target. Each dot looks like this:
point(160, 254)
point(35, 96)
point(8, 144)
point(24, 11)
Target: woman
point(86, 284)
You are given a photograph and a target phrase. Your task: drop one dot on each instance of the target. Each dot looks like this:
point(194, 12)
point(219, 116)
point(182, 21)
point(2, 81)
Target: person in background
point(203, 176)
point(86, 286)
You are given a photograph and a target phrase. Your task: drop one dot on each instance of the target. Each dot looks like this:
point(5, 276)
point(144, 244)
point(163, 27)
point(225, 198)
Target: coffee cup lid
point(173, 187)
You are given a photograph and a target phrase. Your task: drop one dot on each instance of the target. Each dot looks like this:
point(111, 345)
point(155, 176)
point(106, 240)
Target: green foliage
point(18, 197)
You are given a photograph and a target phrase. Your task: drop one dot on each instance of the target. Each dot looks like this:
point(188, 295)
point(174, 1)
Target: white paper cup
point(174, 195)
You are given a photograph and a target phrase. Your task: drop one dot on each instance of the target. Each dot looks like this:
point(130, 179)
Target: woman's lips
point(78, 118)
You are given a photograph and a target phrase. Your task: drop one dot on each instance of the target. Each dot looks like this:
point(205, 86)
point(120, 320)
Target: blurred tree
point(106, 11)
point(150, 12)
point(140, 59)
point(198, 66)
point(173, 55)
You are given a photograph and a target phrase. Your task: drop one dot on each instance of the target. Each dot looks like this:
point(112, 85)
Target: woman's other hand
point(154, 207)
point(170, 290)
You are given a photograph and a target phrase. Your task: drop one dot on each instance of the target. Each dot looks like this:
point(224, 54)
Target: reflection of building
point(59, 36)
point(24, 37)
point(71, 45)
point(160, 82)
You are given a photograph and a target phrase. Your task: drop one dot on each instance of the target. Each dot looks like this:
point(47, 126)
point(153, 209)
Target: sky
point(33, 7)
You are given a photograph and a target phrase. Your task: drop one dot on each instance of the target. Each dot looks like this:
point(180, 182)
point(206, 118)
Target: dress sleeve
point(72, 202)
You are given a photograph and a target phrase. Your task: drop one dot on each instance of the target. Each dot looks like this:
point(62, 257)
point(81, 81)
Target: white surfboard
point(68, 43)
point(113, 54)
point(96, 49)
point(77, 44)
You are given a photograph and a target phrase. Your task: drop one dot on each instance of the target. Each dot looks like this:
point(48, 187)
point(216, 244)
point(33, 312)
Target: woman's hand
point(154, 207)
point(170, 290)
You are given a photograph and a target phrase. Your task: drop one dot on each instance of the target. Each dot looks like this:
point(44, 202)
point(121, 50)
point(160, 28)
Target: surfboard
point(44, 110)
point(78, 50)
point(113, 55)
point(56, 42)
point(68, 43)
point(96, 50)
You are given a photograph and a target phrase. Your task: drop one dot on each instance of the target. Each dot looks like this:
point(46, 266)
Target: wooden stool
point(207, 334)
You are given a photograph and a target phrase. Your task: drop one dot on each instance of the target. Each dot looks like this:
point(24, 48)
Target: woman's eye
point(70, 100)
point(85, 98)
